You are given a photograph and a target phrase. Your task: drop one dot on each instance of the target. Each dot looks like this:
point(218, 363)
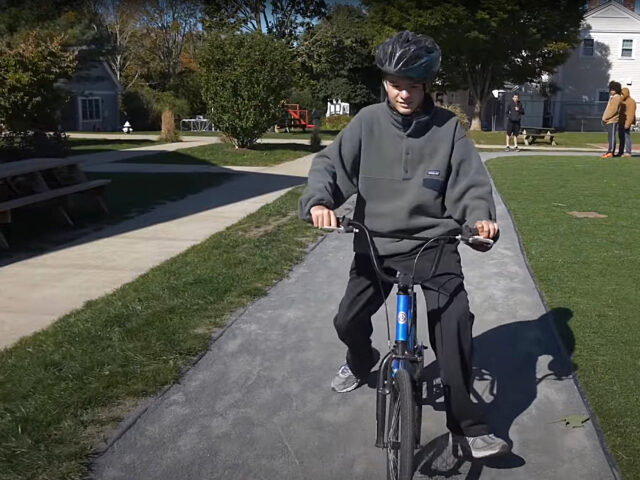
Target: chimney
point(593, 4)
point(630, 4)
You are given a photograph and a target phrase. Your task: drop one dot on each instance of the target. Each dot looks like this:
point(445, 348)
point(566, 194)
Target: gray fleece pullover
point(414, 175)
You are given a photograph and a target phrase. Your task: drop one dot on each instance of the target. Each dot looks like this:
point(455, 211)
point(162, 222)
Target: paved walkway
point(258, 404)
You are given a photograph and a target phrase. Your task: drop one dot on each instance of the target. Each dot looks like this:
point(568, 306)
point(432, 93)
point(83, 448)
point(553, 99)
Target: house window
point(587, 47)
point(90, 108)
point(603, 95)
point(627, 48)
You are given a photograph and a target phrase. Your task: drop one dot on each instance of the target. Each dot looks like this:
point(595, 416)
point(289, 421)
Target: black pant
point(621, 139)
point(450, 323)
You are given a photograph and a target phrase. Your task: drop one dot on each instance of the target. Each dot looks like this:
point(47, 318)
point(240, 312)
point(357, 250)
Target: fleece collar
point(415, 124)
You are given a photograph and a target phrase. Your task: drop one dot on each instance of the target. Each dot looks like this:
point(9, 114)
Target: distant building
point(609, 50)
point(94, 102)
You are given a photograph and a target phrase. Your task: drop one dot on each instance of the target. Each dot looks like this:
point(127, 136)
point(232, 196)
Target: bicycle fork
point(396, 358)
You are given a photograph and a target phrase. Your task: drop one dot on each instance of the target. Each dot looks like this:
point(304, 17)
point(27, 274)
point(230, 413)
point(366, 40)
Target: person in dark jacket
point(414, 171)
point(625, 122)
point(515, 111)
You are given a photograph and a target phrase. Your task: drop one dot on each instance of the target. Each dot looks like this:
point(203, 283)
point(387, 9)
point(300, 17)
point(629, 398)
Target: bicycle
point(398, 424)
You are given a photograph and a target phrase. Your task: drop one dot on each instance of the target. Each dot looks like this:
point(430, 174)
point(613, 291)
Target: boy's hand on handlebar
point(486, 228)
point(323, 217)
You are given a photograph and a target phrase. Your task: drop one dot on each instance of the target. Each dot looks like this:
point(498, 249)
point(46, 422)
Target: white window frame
point(632, 56)
point(93, 118)
point(593, 48)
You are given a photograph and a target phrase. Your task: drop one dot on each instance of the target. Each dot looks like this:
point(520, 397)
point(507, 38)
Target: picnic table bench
point(40, 180)
point(531, 134)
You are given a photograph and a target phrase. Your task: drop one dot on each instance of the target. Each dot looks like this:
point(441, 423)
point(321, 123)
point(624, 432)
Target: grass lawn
point(592, 267)
point(297, 134)
point(563, 139)
point(129, 194)
point(81, 146)
point(63, 389)
point(264, 154)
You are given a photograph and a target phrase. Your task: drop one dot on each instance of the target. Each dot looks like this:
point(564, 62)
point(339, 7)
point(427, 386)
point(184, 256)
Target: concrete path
point(257, 405)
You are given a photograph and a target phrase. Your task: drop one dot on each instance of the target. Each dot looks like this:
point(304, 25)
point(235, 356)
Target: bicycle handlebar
point(468, 235)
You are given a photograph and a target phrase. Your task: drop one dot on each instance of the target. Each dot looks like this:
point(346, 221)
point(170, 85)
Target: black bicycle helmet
point(410, 55)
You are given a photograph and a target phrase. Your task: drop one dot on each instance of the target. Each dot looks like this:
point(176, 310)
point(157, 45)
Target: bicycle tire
point(400, 428)
point(418, 413)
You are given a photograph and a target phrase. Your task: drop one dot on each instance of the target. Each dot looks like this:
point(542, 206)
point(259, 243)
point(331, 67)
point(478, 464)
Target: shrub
point(143, 107)
point(245, 79)
point(31, 65)
point(462, 117)
point(169, 132)
point(335, 122)
point(21, 145)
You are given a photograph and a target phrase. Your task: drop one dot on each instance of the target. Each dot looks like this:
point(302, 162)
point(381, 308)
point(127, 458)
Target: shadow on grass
point(269, 147)
point(260, 155)
point(81, 146)
point(133, 206)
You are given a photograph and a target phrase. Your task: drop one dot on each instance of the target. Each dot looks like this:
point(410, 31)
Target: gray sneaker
point(486, 446)
point(345, 380)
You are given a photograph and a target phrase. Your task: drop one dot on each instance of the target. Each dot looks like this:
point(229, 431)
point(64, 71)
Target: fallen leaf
point(573, 421)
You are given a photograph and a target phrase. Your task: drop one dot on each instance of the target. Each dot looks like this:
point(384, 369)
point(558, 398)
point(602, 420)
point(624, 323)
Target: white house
point(609, 50)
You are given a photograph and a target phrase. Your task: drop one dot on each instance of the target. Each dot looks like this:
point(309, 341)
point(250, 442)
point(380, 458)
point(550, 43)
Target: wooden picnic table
point(531, 134)
point(40, 180)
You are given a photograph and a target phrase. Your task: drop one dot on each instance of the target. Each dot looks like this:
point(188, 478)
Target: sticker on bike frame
point(402, 318)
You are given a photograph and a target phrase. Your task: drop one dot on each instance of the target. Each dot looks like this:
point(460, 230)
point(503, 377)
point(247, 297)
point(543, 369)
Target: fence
point(580, 116)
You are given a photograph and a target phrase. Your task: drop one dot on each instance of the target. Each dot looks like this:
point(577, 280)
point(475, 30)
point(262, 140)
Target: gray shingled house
point(94, 102)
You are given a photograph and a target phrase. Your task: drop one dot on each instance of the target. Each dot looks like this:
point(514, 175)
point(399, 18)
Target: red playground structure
point(294, 117)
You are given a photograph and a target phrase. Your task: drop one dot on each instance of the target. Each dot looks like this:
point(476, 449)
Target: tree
point(74, 19)
point(487, 42)
point(284, 19)
point(167, 27)
point(30, 66)
point(121, 21)
point(336, 54)
point(245, 82)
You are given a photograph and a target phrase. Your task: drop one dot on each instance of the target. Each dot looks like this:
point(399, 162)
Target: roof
point(615, 5)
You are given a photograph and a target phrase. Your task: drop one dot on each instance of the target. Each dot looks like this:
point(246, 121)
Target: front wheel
point(400, 433)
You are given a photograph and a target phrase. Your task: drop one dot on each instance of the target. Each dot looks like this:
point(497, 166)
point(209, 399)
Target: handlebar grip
point(470, 236)
point(468, 231)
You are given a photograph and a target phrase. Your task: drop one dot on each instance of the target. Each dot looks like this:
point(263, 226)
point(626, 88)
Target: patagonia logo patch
point(434, 173)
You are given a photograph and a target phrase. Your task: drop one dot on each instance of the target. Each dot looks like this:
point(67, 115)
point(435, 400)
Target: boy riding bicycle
point(415, 172)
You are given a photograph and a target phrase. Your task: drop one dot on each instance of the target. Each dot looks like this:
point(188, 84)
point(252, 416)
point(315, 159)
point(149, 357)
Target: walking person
point(611, 117)
point(414, 171)
point(515, 111)
point(629, 121)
